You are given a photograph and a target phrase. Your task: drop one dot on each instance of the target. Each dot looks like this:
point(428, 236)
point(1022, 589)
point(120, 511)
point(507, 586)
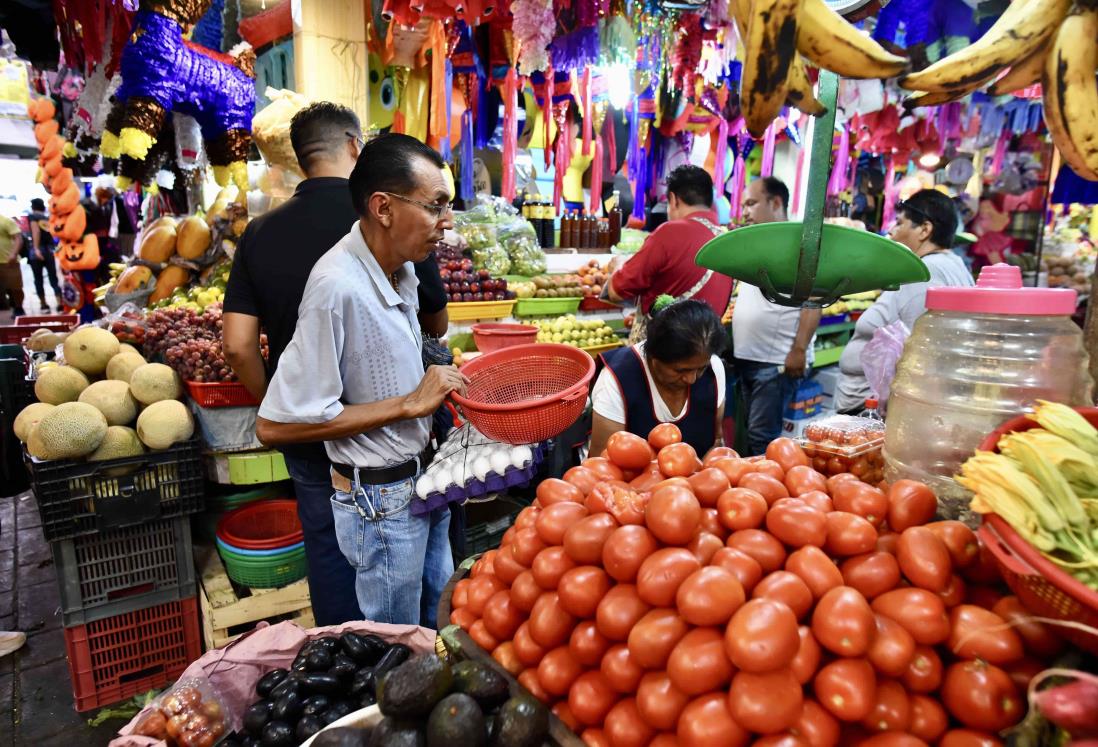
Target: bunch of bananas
point(1051, 42)
point(779, 36)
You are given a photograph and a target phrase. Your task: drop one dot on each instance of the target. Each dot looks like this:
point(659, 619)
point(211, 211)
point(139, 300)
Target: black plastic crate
point(81, 498)
point(487, 522)
point(113, 572)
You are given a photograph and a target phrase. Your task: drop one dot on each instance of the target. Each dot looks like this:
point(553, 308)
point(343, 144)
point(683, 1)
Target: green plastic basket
point(265, 572)
point(547, 306)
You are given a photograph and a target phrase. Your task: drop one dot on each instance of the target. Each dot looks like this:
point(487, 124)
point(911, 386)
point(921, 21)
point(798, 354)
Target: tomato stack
point(653, 598)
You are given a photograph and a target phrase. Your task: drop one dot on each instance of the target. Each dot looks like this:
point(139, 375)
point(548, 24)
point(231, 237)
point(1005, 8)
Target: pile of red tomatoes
point(655, 598)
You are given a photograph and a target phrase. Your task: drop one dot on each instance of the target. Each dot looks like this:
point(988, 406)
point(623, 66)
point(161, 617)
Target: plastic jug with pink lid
point(978, 357)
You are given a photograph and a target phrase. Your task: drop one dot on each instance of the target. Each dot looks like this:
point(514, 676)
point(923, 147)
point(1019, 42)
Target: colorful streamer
point(510, 135)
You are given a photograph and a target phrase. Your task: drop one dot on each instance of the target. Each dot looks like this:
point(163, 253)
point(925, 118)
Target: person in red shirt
point(665, 264)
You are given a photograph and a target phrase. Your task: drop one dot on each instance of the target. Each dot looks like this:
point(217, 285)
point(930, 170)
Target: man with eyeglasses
point(353, 377)
point(270, 268)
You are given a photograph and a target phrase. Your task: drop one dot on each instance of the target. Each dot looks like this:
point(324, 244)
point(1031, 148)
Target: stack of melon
point(87, 406)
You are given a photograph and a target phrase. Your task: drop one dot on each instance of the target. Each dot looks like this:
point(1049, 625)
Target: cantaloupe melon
point(164, 423)
point(128, 348)
point(193, 238)
point(89, 349)
point(119, 442)
point(170, 278)
point(28, 417)
point(154, 382)
point(69, 431)
point(113, 399)
point(158, 245)
point(122, 366)
point(58, 384)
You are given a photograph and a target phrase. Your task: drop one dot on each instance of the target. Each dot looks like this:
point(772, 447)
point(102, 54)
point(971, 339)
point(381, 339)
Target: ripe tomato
point(924, 673)
point(718, 452)
point(558, 670)
point(797, 526)
point(525, 591)
point(892, 739)
point(801, 479)
point(527, 517)
point(662, 573)
point(969, 738)
point(858, 498)
point(581, 589)
point(843, 622)
point(984, 596)
point(698, 663)
point(787, 453)
point(741, 508)
point(673, 514)
point(918, 610)
point(707, 722)
point(678, 460)
point(625, 504)
point(981, 696)
point(818, 500)
point(887, 542)
point(654, 636)
point(594, 738)
point(508, 537)
point(892, 709)
point(481, 590)
point(734, 468)
point(526, 546)
point(964, 548)
point(835, 479)
point(976, 633)
point(892, 649)
point(765, 703)
point(588, 644)
point(528, 678)
point(619, 611)
point(555, 520)
point(463, 617)
point(551, 490)
point(582, 478)
point(590, 698)
point(620, 669)
point(910, 504)
point(562, 711)
point(460, 597)
point(624, 551)
point(659, 702)
point(954, 592)
point(760, 545)
point(526, 648)
point(847, 688)
point(550, 625)
point(708, 484)
point(645, 480)
point(709, 596)
point(741, 565)
point(628, 450)
point(849, 534)
point(770, 467)
point(603, 467)
point(787, 588)
point(924, 559)
point(704, 546)
point(584, 540)
point(1023, 671)
point(501, 616)
point(549, 565)
point(819, 572)
point(807, 660)
point(663, 435)
point(784, 739)
point(762, 636)
point(506, 567)
point(816, 726)
point(872, 574)
point(711, 522)
point(984, 569)
point(769, 487)
point(482, 637)
point(928, 718)
point(1038, 638)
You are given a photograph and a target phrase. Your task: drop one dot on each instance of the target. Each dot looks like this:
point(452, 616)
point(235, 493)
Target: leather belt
point(386, 475)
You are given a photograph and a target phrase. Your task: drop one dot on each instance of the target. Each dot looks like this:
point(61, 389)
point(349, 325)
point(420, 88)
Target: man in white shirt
point(771, 344)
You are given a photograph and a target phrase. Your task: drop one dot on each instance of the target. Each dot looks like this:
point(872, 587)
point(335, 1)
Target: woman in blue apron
point(674, 376)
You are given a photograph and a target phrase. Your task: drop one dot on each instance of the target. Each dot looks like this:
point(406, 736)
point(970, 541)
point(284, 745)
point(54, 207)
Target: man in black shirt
point(272, 264)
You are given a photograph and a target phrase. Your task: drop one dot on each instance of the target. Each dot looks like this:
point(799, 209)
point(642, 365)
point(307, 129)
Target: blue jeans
point(331, 577)
point(401, 561)
point(765, 393)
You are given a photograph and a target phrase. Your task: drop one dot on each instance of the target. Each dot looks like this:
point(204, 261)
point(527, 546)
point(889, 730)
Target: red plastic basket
point(492, 337)
point(113, 659)
point(220, 394)
point(48, 319)
point(1044, 588)
point(15, 334)
point(594, 303)
point(527, 393)
point(262, 525)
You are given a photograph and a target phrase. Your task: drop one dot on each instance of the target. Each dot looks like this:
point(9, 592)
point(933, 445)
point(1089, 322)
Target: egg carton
point(513, 477)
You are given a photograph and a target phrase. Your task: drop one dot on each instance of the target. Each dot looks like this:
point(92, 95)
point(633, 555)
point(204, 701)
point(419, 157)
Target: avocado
point(482, 683)
point(456, 721)
point(523, 721)
point(412, 689)
point(343, 736)
point(393, 732)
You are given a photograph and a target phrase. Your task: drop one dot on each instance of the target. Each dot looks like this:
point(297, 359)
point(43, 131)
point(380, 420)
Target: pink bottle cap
point(999, 291)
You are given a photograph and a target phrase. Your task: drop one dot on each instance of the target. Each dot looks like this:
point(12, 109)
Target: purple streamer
point(766, 168)
point(575, 50)
point(444, 149)
point(466, 186)
point(837, 182)
point(719, 166)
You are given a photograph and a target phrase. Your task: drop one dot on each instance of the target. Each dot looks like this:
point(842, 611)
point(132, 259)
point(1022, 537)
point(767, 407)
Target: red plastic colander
point(527, 393)
point(492, 337)
point(1042, 586)
point(262, 525)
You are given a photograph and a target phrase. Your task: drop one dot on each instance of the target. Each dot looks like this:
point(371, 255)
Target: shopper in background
point(772, 344)
point(11, 273)
point(926, 224)
point(40, 254)
point(674, 376)
point(353, 376)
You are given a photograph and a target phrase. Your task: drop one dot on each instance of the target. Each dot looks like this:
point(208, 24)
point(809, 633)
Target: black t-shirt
point(275, 256)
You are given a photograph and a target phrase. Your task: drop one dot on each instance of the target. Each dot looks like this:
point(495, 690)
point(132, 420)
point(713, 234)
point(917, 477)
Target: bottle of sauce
point(550, 225)
point(568, 230)
point(615, 220)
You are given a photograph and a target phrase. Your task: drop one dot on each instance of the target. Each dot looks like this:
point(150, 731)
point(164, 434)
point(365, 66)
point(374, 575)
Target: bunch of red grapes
point(191, 343)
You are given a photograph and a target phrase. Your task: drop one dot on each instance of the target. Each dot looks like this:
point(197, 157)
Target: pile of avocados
point(330, 678)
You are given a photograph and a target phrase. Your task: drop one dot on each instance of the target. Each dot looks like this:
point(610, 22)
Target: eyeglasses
point(357, 138)
point(435, 209)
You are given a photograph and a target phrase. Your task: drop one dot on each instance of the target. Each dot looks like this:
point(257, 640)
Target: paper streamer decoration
point(837, 182)
point(510, 135)
point(888, 214)
point(588, 114)
point(465, 186)
point(1000, 154)
point(766, 168)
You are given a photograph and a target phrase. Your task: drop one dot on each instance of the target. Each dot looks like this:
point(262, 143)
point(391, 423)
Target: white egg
point(481, 467)
point(461, 472)
point(500, 461)
point(425, 486)
point(520, 455)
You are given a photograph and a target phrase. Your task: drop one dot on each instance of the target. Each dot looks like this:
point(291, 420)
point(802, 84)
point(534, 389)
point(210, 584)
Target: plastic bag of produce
point(477, 233)
point(192, 713)
point(517, 236)
point(492, 258)
point(880, 355)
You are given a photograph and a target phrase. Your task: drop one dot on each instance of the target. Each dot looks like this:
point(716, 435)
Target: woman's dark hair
point(931, 206)
point(387, 164)
point(684, 329)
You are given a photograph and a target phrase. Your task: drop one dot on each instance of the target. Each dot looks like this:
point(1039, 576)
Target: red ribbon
point(585, 93)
